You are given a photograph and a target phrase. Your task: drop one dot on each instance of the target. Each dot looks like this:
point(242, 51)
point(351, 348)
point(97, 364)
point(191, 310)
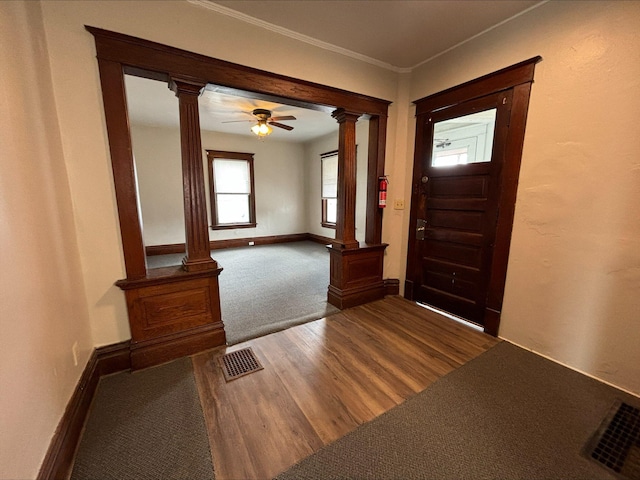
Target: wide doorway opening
point(270, 199)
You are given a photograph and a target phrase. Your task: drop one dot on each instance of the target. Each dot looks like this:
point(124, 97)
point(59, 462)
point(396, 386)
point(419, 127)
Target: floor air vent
point(239, 363)
point(616, 446)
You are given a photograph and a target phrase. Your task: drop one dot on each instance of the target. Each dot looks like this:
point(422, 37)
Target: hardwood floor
point(323, 379)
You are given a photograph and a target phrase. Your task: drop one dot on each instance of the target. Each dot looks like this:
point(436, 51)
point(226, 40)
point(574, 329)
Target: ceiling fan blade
point(286, 117)
point(280, 125)
point(236, 121)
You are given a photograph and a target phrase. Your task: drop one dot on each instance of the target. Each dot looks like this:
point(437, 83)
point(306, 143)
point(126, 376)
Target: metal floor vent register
point(239, 363)
point(616, 445)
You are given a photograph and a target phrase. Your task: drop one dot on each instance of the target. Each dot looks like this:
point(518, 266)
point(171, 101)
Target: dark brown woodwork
point(469, 215)
point(356, 275)
point(391, 286)
point(195, 210)
point(346, 211)
point(323, 379)
point(173, 313)
point(117, 120)
point(230, 77)
point(233, 243)
point(248, 157)
point(377, 145)
point(507, 201)
point(325, 200)
point(319, 239)
point(188, 73)
point(166, 249)
point(58, 460)
point(486, 85)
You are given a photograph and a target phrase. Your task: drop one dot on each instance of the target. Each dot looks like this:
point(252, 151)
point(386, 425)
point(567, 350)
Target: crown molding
point(453, 47)
point(208, 4)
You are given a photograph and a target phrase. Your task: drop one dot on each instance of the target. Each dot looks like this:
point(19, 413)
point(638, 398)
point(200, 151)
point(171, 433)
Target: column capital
point(342, 115)
point(186, 86)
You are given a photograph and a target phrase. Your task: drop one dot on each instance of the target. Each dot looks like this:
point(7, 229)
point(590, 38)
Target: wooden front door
point(468, 150)
point(455, 204)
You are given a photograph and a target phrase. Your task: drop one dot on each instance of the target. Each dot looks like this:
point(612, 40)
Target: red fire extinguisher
point(382, 192)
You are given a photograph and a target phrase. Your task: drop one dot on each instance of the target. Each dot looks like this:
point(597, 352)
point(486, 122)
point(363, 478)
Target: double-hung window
point(232, 189)
point(329, 175)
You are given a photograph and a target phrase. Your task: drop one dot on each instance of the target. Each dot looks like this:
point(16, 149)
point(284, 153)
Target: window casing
point(329, 188)
point(232, 187)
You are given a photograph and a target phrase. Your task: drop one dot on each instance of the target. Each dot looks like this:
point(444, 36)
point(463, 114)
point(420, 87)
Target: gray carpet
point(507, 414)
point(267, 288)
point(146, 425)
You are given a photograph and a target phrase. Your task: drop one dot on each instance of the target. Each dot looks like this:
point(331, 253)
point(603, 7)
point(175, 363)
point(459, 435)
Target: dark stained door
point(455, 198)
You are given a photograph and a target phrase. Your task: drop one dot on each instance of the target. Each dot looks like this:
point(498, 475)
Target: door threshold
point(455, 318)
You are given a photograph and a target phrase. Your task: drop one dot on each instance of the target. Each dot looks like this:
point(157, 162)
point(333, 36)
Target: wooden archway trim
point(148, 55)
point(158, 299)
point(118, 53)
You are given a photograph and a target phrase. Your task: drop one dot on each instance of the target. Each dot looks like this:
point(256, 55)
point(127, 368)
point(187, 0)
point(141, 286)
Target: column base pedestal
point(356, 275)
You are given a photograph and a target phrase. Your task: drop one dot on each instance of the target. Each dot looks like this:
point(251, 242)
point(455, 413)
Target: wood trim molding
point(391, 286)
point(187, 73)
point(492, 83)
point(117, 121)
point(174, 248)
point(167, 249)
point(375, 165)
point(319, 239)
point(212, 155)
point(58, 460)
point(148, 55)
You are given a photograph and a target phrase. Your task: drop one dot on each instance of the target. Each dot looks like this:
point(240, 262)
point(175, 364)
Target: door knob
point(420, 228)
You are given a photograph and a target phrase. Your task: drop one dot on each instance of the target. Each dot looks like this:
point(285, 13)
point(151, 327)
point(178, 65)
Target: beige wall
point(573, 283)
point(279, 170)
point(77, 94)
point(574, 271)
point(43, 310)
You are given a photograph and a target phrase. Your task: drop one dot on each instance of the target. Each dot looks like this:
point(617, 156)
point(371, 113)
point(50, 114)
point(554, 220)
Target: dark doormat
point(616, 444)
point(239, 363)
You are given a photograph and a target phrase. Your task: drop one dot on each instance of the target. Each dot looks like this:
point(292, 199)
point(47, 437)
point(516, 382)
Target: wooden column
point(122, 164)
point(195, 211)
point(377, 144)
point(346, 214)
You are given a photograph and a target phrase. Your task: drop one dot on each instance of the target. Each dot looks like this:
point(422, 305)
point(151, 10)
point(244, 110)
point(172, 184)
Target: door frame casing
point(517, 78)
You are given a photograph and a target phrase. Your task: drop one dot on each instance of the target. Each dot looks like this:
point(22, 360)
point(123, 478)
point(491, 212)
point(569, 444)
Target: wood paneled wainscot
point(173, 313)
point(356, 275)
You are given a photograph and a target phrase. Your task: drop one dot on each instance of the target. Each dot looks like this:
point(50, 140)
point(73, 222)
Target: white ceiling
point(150, 102)
point(395, 34)
point(398, 34)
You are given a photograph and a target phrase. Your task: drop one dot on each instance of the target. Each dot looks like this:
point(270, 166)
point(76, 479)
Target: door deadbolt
point(424, 179)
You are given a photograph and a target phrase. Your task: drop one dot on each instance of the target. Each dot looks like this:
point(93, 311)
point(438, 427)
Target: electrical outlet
point(251, 244)
point(74, 350)
point(398, 204)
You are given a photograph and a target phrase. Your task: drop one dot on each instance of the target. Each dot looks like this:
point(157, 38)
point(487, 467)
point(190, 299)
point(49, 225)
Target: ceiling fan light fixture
point(262, 129)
